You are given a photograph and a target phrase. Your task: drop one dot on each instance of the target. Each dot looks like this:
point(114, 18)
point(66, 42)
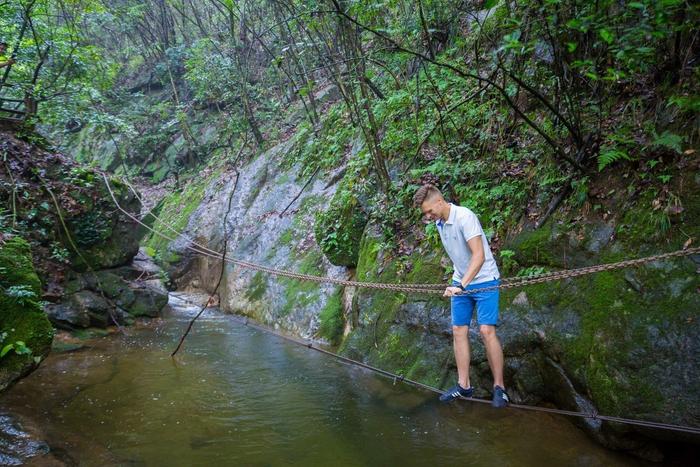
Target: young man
point(474, 267)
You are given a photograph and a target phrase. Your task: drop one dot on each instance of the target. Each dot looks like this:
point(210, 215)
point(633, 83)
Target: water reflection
point(239, 396)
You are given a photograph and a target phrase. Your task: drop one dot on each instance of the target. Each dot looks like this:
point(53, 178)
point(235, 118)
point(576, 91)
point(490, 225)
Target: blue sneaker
point(500, 398)
point(454, 393)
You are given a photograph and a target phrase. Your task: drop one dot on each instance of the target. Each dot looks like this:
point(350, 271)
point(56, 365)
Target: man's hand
point(450, 291)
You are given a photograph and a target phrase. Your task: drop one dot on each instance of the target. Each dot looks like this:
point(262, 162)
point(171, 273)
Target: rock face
point(259, 234)
point(25, 332)
point(108, 295)
point(623, 343)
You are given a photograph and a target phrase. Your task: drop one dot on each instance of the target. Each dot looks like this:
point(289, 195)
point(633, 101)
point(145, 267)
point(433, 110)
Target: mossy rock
point(104, 235)
point(150, 218)
point(384, 335)
point(149, 299)
point(258, 286)
point(619, 333)
point(331, 320)
point(22, 319)
point(339, 230)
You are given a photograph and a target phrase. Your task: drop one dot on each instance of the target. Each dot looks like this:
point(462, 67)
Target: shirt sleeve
point(470, 226)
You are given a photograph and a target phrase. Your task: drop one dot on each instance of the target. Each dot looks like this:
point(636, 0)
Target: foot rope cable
point(401, 378)
point(416, 288)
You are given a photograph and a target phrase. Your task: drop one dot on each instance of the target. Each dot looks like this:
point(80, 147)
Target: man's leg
point(460, 335)
point(494, 352)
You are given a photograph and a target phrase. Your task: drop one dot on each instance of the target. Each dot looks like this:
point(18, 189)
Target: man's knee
point(460, 330)
point(487, 331)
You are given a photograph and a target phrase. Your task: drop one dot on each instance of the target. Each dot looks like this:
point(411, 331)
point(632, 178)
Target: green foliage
point(19, 347)
point(608, 156)
point(25, 332)
point(508, 262)
point(531, 271)
point(669, 140)
point(6, 218)
point(689, 104)
point(339, 229)
point(324, 148)
point(82, 177)
point(580, 191)
point(56, 63)
point(258, 286)
point(91, 228)
point(21, 294)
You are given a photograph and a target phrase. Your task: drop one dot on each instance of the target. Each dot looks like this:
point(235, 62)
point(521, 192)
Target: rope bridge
point(420, 288)
point(409, 288)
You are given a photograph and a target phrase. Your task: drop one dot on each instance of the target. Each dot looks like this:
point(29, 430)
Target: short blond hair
point(427, 191)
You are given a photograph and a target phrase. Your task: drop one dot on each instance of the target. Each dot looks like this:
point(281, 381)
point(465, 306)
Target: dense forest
point(295, 134)
point(478, 96)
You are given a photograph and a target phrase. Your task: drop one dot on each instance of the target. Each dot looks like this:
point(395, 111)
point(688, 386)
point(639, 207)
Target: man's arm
point(476, 245)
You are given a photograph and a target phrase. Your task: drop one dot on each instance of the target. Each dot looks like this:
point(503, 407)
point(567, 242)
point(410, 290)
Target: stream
point(235, 395)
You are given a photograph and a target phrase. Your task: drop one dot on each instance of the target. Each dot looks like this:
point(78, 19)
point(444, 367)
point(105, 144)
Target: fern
point(669, 140)
point(610, 155)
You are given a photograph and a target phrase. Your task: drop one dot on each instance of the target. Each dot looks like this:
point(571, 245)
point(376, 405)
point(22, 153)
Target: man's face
point(2, 48)
point(431, 208)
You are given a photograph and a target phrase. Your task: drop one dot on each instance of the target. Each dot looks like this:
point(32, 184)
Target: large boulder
point(106, 236)
point(149, 298)
point(25, 331)
point(98, 299)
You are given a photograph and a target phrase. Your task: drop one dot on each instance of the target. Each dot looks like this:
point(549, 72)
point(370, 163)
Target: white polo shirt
point(461, 225)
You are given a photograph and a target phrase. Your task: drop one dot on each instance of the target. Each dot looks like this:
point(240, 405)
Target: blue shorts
point(462, 306)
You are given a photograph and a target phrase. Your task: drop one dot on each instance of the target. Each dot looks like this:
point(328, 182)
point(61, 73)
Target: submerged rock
point(17, 446)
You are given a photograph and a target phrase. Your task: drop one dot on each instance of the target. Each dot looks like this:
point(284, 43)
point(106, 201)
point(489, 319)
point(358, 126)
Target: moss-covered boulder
point(339, 229)
point(105, 236)
point(149, 298)
point(405, 334)
point(25, 330)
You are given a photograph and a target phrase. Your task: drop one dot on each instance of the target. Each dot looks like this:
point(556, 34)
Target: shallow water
point(239, 396)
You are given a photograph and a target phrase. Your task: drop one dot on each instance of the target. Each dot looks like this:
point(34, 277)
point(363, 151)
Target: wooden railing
point(15, 109)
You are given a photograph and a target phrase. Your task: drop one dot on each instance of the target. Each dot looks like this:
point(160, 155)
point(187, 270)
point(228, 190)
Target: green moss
point(426, 270)
point(311, 263)
point(258, 286)
point(16, 263)
point(175, 209)
point(380, 338)
point(286, 237)
point(331, 318)
point(610, 350)
point(339, 229)
point(298, 294)
point(535, 247)
point(302, 293)
point(21, 317)
point(367, 259)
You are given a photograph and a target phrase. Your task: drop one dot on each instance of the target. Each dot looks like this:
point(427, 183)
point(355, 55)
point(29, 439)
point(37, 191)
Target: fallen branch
point(221, 274)
point(301, 191)
point(223, 256)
